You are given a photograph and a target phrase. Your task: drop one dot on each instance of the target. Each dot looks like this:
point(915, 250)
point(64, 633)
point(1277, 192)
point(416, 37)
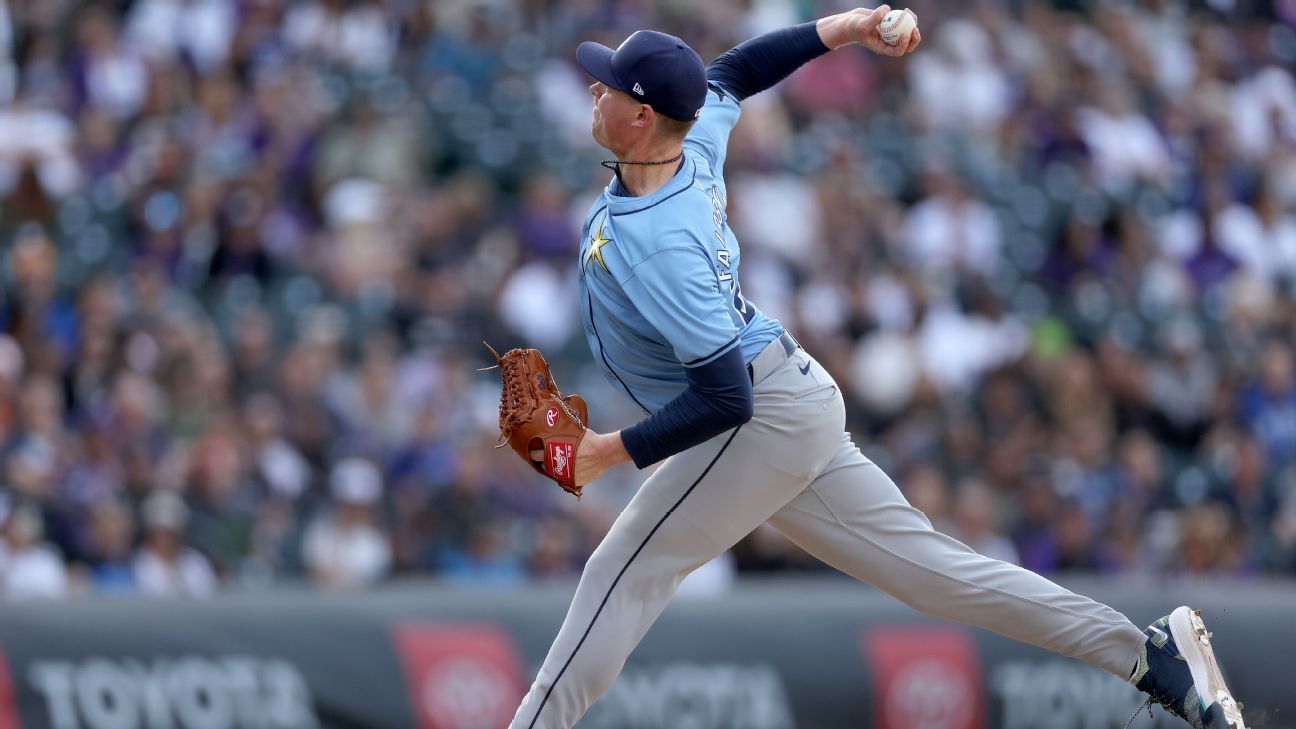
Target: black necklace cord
point(615, 164)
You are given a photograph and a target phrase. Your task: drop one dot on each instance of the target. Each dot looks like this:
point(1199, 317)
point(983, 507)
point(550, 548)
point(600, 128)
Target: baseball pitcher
point(748, 426)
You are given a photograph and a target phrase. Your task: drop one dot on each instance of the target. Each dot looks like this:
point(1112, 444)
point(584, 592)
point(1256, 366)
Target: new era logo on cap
point(638, 89)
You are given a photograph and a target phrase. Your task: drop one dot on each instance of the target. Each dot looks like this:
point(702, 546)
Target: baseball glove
point(541, 425)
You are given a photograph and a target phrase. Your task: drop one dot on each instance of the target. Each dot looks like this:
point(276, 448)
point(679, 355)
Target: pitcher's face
point(617, 117)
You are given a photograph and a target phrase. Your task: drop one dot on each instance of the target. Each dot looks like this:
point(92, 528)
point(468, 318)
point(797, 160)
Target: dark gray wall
point(822, 654)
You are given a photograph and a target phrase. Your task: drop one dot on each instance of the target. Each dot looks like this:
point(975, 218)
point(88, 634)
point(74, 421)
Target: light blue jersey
point(659, 273)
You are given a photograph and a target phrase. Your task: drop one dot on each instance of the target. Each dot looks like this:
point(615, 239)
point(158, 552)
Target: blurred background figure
point(1052, 255)
point(343, 548)
point(108, 557)
point(29, 567)
point(976, 517)
point(164, 564)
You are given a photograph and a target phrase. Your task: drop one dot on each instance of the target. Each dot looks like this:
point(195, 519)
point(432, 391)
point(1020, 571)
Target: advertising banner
point(784, 655)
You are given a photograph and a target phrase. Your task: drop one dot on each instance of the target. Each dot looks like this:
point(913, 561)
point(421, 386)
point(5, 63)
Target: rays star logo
point(595, 252)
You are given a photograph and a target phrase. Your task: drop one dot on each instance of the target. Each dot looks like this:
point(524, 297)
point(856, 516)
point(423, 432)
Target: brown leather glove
point(534, 416)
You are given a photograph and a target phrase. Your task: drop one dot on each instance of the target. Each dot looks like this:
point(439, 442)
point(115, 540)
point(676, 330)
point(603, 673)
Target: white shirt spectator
point(768, 279)
point(1268, 252)
point(1166, 35)
point(346, 555)
point(358, 37)
point(1126, 146)
point(536, 287)
point(1182, 382)
point(203, 29)
point(285, 470)
point(889, 302)
point(1261, 107)
point(35, 571)
point(189, 574)
point(1179, 234)
point(29, 568)
point(344, 549)
point(960, 88)
point(957, 348)
point(164, 565)
point(946, 232)
point(885, 371)
point(822, 307)
point(45, 135)
point(563, 95)
point(117, 78)
point(777, 213)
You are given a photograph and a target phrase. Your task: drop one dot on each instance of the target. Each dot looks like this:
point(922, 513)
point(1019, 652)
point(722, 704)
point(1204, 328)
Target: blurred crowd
point(251, 249)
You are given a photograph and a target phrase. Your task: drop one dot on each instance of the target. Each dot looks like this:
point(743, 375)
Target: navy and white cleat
point(1178, 670)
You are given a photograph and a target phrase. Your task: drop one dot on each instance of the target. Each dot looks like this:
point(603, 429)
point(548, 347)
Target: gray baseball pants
point(792, 466)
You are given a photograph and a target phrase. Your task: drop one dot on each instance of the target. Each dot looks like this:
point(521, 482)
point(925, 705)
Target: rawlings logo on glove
point(560, 457)
point(541, 425)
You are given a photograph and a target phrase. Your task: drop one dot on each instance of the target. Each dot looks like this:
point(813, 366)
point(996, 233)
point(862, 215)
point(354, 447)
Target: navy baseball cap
point(654, 68)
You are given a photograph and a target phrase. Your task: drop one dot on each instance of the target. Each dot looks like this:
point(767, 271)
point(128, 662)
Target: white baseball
point(896, 25)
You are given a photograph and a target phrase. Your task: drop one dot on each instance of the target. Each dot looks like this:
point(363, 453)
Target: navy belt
point(789, 346)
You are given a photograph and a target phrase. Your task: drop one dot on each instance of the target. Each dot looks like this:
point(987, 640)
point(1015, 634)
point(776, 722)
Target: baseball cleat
point(1178, 670)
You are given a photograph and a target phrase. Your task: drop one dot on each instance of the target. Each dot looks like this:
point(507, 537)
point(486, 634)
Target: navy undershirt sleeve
point(757, 64)
point(719, 397)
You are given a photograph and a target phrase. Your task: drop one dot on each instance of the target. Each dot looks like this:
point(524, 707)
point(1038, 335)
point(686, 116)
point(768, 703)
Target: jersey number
point(746, 311)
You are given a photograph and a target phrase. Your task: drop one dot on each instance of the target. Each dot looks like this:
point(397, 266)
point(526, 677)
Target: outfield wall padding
point(785, 654)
